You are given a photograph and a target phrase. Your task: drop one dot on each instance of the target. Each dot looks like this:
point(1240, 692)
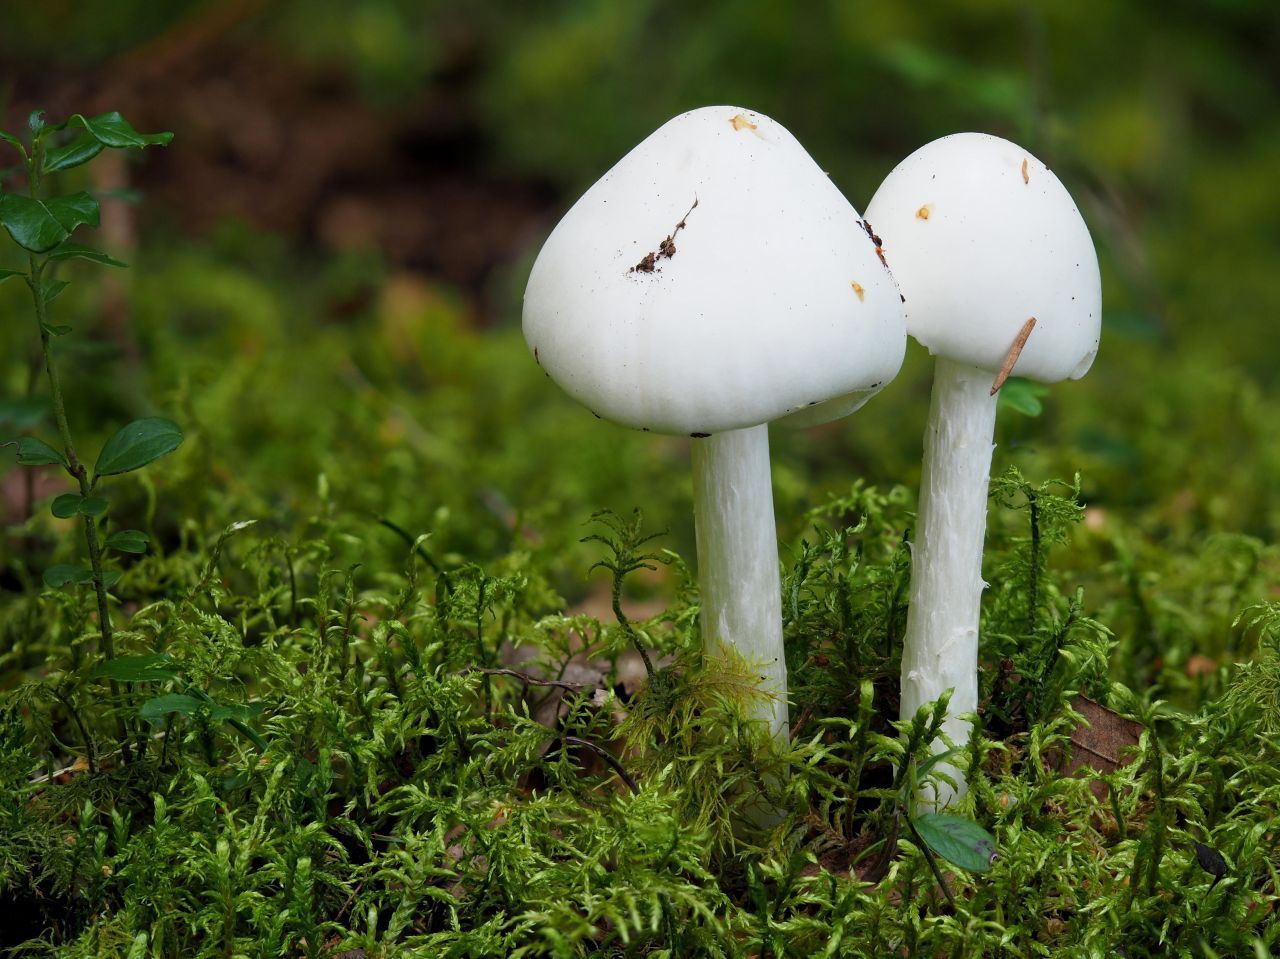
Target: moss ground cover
point(383, 581)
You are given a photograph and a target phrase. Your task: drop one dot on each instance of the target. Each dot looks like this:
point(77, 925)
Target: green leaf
point(92, 506)
point(80, 150)
point(238, 711)
point(52, 288)
point(39, 227)
point(65, 574)
point(5, 274)
point(141, 442)
point(113, 130)
point(14, 141)
point(138, 948)
point(249, 733)
point(73, 504)
point(1023, 396)
point(146, 668)
point(35, 121)
point(66, 505)
point(154, 710)
point(74, 251)
point(923, 769)
point(962, 842)
point(128, 541)
point(32, 226)
point(109, 579)
point(74, 210)
point(34, 452)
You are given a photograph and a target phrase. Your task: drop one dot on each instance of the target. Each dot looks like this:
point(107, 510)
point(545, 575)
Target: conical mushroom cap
point(981, 236)
point(714, 279)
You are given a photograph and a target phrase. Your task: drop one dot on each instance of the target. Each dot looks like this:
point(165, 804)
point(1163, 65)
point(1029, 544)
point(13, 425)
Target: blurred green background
point(328, 260)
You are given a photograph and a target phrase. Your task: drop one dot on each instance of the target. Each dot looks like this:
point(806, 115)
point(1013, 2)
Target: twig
point(54, 774)
point(350, 899)
point(1015, 351)
point(103, 763)
point(532, 680)
point(799, 724)
point(608, 757)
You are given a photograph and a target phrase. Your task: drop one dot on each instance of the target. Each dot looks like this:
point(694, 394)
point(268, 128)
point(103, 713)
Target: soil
point(293, 148)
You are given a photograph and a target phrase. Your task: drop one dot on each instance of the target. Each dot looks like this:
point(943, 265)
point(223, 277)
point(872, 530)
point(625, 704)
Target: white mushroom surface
point(999, 274)
point(713, 279)
point(711, 282)
point(981, 236)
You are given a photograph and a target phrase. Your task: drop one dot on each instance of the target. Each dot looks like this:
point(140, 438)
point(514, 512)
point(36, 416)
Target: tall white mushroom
point(712, 281)
point(997, 268)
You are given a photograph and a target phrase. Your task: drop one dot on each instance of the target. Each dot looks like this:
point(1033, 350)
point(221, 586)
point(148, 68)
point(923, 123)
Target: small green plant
point(42, 225)
point(960, 841)
point(625, 542)
point(1039, 641)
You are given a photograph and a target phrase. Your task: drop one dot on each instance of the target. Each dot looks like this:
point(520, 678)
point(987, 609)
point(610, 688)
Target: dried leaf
point(1103, 743)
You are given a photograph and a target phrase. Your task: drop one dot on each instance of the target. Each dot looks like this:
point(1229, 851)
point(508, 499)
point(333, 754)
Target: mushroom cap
point(981, 236)
point(772, 299)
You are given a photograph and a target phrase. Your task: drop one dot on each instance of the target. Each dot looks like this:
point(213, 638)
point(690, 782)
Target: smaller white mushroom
point(713, 281)
point(998, 270)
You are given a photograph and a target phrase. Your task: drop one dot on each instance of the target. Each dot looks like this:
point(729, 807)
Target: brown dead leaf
point(1103, 744)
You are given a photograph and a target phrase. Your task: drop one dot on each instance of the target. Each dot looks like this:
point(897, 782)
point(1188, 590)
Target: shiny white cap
point(981, 236)
point(714, 279)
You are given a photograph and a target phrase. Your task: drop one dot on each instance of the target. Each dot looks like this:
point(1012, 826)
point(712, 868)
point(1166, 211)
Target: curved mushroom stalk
point(738, 560)
point(941, 643)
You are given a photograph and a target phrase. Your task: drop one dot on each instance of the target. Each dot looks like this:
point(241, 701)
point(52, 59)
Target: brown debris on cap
point(1015, 351)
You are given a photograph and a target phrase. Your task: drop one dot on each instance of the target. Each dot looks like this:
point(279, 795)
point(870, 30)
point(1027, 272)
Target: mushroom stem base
point(738, 561)
point(940, 649)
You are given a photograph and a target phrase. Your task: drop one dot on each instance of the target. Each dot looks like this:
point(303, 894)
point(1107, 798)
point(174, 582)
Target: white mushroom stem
point(738, 560)
point(940, 650)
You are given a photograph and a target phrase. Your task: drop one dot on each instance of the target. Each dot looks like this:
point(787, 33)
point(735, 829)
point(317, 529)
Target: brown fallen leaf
point(1103, 743)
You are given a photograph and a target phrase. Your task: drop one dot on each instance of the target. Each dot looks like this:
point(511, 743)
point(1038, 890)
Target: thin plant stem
point(608, 757)
point(1034, 584)
point(74, 466)
point(293, 589)
point(77, 469)
point(90, 749)
point(414, 544)
point(630, 630)
point(932, 861)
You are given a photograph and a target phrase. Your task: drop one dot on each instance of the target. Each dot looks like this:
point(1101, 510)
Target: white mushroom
point(712, 281)
point(983, 240)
